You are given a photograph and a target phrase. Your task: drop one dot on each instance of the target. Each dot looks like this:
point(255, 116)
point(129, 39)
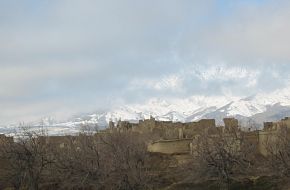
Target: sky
point(62, 57)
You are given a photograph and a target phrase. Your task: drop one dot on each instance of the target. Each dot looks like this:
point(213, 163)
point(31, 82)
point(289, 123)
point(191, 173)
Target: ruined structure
point(178, 138)
point(174, 146)
point(272, 133)
point(231, 123)
point(279, 125)
point(172, 137)
point(166, 130)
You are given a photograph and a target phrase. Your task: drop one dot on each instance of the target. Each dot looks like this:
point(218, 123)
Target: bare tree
point(26, 159)
point(90, 160)
point(80, 164)
point(223, 154)
point(129, 161)
point(278, 152)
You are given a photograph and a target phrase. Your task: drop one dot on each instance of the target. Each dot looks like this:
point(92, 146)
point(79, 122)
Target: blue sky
point(61, 57)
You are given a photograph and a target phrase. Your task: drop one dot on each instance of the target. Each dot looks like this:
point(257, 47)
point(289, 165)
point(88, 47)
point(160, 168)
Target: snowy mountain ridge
point(272, 106)
point(191, 109)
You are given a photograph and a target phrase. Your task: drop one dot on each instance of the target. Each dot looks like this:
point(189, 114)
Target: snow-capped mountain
point(257, 108)
point(275, 105)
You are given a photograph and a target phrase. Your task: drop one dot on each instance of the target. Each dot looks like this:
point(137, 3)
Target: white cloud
point(171, 82)
point(23, 80)
point(87, 51)
point(251, 33)
point(252, 82)
point(227, 73)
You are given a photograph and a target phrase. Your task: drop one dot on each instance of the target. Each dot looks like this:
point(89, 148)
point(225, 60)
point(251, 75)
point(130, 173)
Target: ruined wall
point(178, 146)
point(148, 123)
point(285, 122)
point(252, 137)
point(279, 125)
point(272, 140)
point(171, 130)
point(164, 129)
point(268, 126)
point(271, 134)
point(266, 137)
point(124, 126)
point(231, 123)
point(191, 129)
point(176, 138)
point(206, 123)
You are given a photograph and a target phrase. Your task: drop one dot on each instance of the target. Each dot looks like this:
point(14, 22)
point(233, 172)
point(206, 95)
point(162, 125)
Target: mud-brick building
point(164, 129)
point(274, 126)
point(69, 141)
point(231, 123)
point(178, 138)
point(191, 129)
point(173, 146)
point(273, 133)
point(183, 140)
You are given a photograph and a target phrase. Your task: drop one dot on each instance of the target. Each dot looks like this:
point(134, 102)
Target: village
point(178, 138)
point(154, 148)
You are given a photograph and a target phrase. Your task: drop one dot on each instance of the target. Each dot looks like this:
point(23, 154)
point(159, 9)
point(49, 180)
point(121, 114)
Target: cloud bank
point(60, 57)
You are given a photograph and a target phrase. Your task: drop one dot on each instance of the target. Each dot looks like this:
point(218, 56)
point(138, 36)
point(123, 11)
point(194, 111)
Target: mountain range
point(252, 110)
